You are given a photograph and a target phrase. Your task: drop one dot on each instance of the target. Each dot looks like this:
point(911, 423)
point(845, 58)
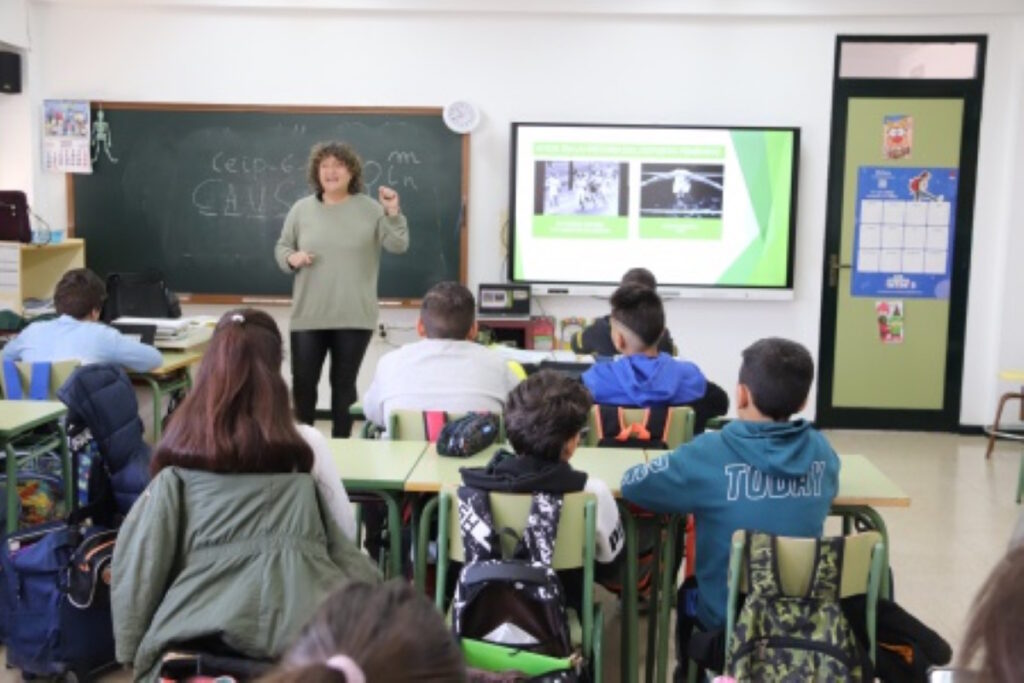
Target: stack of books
point(167, 329)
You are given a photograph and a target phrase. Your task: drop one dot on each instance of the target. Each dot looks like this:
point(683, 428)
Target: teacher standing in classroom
point(331, 242)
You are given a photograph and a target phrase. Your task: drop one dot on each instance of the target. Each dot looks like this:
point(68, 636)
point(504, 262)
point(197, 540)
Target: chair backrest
point(680, 424)
point(510, 511)
point(861, 572)
point(59, 373)
point(425, 425)
point(796, 562)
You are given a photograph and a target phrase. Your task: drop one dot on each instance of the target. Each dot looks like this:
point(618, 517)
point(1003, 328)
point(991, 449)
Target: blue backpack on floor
point(55, 600)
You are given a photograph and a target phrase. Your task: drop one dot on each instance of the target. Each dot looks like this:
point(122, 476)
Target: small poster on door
point(889, 315)
point(66, 136)
point(903, 232)
point(897, 136)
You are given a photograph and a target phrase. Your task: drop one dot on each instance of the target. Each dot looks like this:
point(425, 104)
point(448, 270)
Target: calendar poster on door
point(904, 227)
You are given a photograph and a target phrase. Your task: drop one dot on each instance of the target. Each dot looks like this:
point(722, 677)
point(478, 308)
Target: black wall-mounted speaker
point(10, 72)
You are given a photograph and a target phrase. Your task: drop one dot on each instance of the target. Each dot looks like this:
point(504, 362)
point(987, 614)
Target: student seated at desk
point(645, 377)
point(76, 334)
point(762, 472)
point(444, 371)
point(596, 338)
point(544, 419)
point(245, 527)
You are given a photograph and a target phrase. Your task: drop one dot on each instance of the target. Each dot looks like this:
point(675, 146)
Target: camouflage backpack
point(783, 638)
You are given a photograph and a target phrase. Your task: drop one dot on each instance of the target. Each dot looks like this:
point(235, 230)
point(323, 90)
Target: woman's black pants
point(309, 348)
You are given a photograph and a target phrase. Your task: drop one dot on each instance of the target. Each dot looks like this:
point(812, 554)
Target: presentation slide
point(699, 207)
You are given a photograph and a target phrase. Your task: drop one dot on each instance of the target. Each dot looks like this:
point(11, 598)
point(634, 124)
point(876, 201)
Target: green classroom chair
point(411, 425)
point(861, 575)
point(680, 424)
point(574, 549)
point(59, 373)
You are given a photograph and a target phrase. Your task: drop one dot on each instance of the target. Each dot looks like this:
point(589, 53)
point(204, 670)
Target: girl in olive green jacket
point(233, 545)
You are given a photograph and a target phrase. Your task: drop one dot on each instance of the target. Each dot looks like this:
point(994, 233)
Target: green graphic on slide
point(681, 228)
point(619, 150)
point(765, 159)
point(581, 227)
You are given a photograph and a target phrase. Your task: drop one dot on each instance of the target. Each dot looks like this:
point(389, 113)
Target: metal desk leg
point(875, 521)
point(394, 527)
point(422, 543)
point(12, 488)
point(668, 597)
point(158, 402)
point(181, 381)
point(70, 475)
point(629, 657)
point(394, 531)
point(652, 605)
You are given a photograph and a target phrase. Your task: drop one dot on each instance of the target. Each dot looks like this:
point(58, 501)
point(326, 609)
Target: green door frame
point(845, 89)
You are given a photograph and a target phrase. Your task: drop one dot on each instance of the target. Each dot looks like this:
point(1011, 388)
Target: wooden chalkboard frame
point(239, 299)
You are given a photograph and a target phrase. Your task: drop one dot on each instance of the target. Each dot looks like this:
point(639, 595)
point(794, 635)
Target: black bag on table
point(143, 295)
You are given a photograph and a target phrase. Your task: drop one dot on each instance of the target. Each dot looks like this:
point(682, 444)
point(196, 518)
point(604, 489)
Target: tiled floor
point(961, 516)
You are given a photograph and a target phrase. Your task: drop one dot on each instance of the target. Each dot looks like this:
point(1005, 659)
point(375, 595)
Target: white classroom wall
point(763, 63)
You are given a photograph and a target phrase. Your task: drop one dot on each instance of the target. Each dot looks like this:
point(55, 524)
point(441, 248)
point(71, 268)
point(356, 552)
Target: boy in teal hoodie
point(762, 472)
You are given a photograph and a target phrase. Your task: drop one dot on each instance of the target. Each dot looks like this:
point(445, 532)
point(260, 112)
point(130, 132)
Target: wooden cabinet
point(33, 270)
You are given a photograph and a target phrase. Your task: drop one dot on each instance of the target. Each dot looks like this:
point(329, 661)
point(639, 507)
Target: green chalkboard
point(201, 193)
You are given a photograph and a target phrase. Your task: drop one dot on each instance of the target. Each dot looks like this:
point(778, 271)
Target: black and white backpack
point(515, 601)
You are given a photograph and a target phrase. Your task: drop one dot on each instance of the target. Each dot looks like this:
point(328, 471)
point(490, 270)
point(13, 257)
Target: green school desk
point(18, 418)
point(433, 472)
point(862, 488)
point(172, 375)
point(379, 468)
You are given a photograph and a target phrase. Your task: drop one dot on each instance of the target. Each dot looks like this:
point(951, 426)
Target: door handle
point(834, 266)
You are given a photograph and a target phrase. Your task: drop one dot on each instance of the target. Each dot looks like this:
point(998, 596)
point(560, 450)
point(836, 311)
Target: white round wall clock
point(461, 116)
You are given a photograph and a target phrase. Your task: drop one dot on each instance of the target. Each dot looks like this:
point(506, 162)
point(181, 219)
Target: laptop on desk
point(140, 333)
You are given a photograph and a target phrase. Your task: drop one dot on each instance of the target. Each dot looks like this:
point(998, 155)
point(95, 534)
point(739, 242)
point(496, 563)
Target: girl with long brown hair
point(239, 536)
point(237, 419)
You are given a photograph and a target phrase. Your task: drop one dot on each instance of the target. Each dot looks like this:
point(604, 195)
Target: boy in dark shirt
point(596, 338)
point(643, 376)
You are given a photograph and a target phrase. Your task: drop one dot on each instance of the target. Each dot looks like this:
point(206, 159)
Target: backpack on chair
point(614, 432)
point(805, 638)
point(516, 602)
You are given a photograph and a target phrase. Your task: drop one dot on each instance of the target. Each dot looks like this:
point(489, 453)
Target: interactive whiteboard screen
point(706, 209)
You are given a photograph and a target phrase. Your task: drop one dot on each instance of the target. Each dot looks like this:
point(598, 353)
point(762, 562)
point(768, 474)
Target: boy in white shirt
point(445, 370)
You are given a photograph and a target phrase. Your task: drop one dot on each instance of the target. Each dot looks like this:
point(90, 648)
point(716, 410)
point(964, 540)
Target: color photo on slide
point(580, 188)
point(681, 190)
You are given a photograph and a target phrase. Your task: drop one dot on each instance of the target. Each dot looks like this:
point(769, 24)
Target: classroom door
point(905, 121)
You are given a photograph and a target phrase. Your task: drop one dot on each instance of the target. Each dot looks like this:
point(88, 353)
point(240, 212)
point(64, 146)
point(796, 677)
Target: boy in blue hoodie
point(762, 472)
point(643, 376)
